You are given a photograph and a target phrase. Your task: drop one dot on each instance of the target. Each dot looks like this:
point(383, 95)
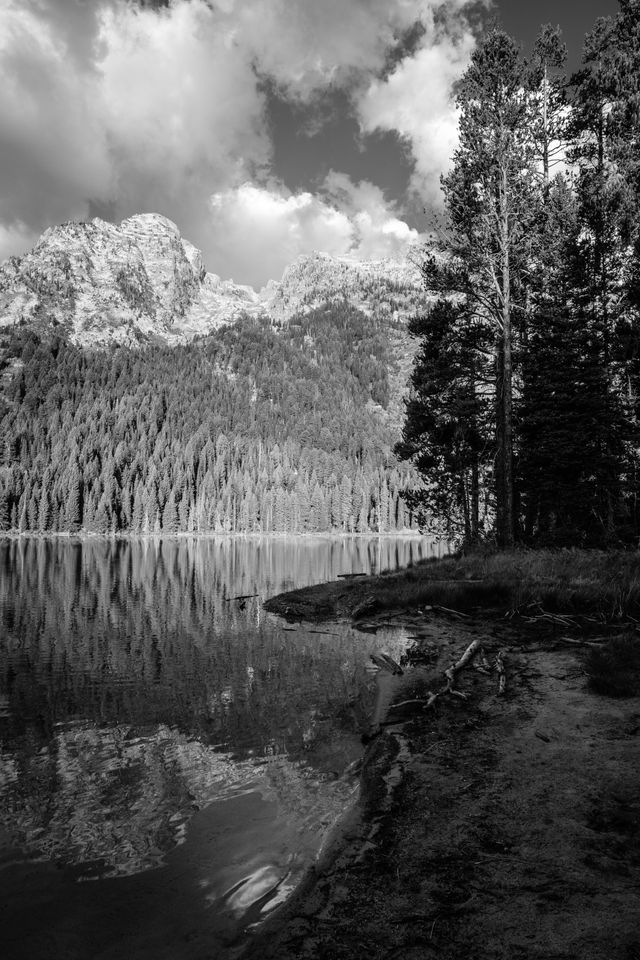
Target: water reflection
point(140, 704)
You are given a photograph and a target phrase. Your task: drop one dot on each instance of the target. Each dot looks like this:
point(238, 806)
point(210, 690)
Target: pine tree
point(446, 431)
point(606, 143)
point(43, 511)
point(548, 87)
point(490, 205)
point(73, 507)
point(170, 515)
point(5, 513)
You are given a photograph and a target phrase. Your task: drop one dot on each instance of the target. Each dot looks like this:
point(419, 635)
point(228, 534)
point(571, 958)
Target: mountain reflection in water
point(150, 720)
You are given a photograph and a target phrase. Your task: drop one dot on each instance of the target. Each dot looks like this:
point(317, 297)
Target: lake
point(171, 756)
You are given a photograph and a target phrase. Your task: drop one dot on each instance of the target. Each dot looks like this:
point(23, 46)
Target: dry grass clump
point(562, 581)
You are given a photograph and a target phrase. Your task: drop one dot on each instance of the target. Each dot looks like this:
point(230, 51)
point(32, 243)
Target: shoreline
point(211, 535)
point(494, 826)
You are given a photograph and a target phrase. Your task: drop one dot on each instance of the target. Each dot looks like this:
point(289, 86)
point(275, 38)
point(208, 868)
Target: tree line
point(250, 430)
point(523, 414)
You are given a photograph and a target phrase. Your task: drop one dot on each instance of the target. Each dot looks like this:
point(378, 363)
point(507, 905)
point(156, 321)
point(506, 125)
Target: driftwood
point(502, 676)
point(450, 675)
point(245, 596)
point(452, 613)
point(408, 703)
point(466, 658)
point(351, 576)
point(564, 620)
point(594, 642)
point(474, 649)
point(385, 662)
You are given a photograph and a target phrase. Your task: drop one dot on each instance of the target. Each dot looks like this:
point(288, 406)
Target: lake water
point(171, 757)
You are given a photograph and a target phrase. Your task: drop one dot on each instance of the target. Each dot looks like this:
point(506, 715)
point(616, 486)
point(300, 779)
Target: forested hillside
point(250, 429)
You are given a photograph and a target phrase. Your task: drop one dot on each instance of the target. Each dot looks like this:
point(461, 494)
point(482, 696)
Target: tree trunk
point(475, 500)
point(505, 396)
point(545, 133)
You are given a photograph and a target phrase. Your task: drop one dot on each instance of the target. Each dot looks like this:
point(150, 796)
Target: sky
point(264, 129)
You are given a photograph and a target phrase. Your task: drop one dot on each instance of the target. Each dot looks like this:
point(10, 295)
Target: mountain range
point(141, 394)
point(141, 281)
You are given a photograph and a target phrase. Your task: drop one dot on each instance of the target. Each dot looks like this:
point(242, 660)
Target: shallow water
point(170, 756)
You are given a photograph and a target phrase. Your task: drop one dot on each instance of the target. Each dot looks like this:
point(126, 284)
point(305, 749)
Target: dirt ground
point(492, 828)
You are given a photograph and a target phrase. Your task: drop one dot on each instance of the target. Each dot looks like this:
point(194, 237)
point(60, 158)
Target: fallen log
point(245, 596)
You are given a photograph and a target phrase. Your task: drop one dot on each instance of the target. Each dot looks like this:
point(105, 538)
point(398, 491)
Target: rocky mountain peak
point(387, 286)
point(104, 283)
point(140, 280)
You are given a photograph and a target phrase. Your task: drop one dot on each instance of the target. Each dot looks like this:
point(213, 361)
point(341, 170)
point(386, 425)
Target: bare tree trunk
point(475, 499)
point(506, 530)
point(545, 132)
point(498, 469)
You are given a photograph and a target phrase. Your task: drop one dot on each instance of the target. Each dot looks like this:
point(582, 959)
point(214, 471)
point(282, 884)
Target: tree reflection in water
point(135, 692)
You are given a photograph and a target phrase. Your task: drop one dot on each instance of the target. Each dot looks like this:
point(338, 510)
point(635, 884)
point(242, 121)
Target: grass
point(606, 584)
point(599, 584)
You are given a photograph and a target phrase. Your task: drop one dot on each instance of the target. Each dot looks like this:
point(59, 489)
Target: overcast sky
point(263, 128)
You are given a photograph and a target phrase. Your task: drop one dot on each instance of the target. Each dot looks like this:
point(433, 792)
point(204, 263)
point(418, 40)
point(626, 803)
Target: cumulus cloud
point(416, 101)
point(307, 44)
point(53, 147)
point(106, 105)
point(163, 111)
point(377, 229)
point(259, 230)
point(180, 99)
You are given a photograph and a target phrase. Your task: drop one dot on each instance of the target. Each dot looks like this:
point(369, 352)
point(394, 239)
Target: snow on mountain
point(142, 281)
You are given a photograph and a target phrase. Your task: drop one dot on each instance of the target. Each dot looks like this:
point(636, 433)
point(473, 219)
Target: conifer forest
point(249, 430)
point(524, 410)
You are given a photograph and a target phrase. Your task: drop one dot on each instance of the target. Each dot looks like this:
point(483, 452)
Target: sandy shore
point(488, 827)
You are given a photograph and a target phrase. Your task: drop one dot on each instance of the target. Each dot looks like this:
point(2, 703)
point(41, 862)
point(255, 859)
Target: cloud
point(53, 147)
point(416, 101)
point(109, 106)
point(164, 110)
point(16, 238)
point(259, 230)
point(377, 230)
point(307, 44)
point(180, 99)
